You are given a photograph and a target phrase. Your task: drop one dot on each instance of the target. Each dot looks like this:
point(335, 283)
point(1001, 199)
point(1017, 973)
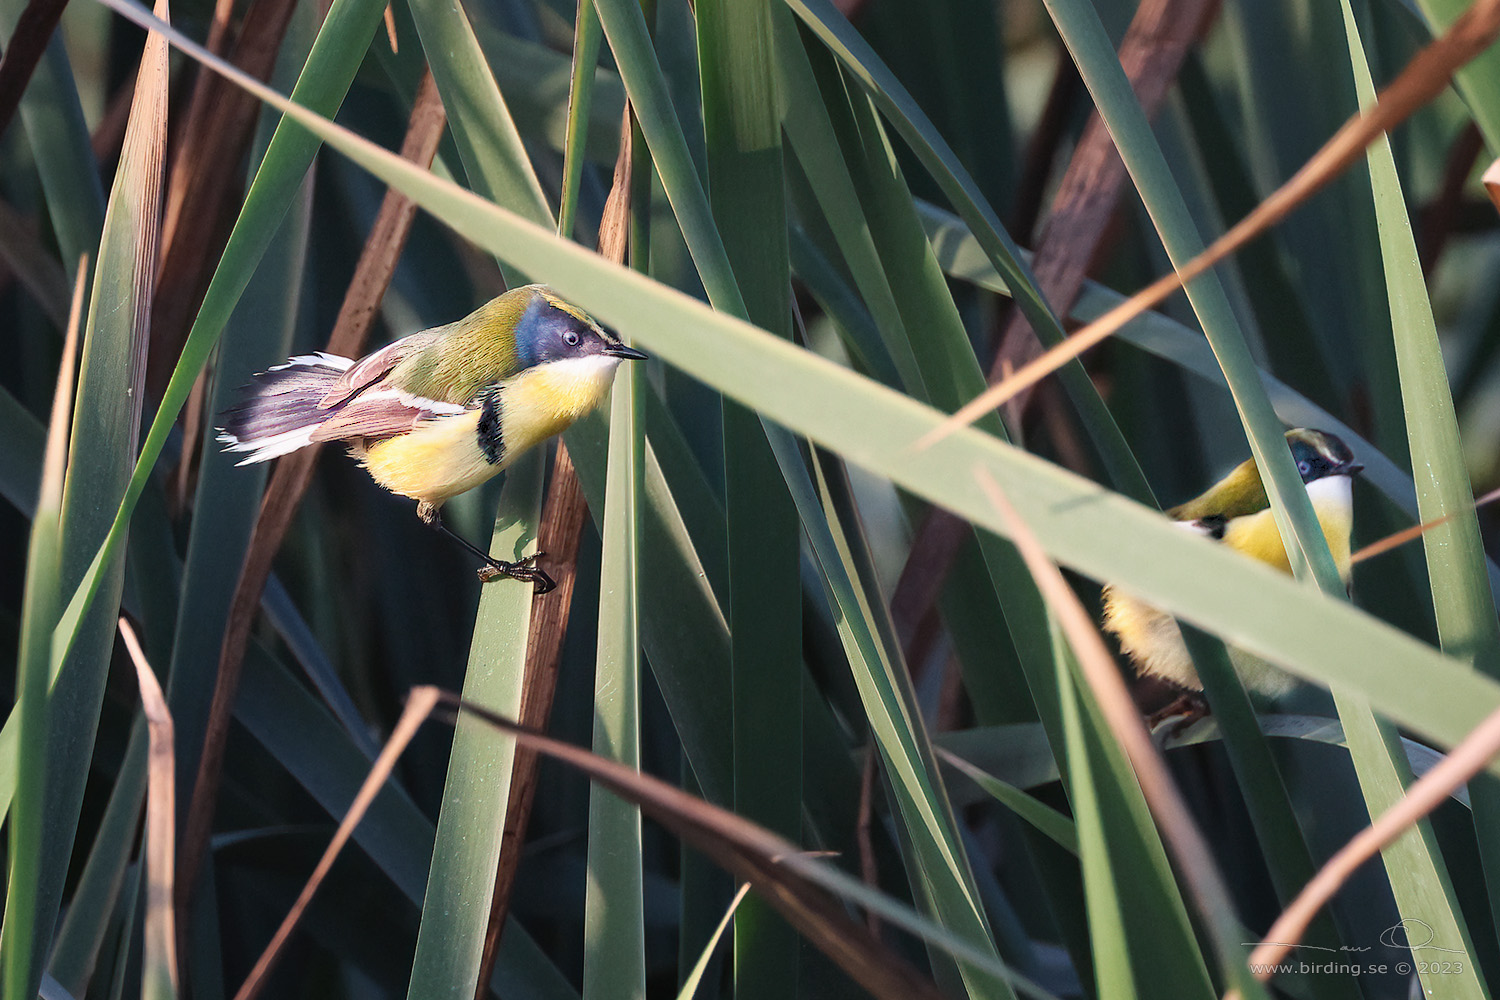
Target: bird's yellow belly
point(440, 458)
point(1150, 636)
point(1154, 643)
point(1257, 536)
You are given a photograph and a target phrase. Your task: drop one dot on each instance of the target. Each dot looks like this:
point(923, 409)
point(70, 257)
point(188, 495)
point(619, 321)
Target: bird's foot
point(522, 569)
point(1179, 715)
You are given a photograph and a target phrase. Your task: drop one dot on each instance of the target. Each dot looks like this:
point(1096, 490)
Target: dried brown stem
point(161, 804)
point(220, 122)
point(775, 867)
point(1426, 76)
point(1151, 54)
point(290, 481)
point(1189, 848)
point(1400, 538)
point(23, 50)
point(559, 534)
point(418, 707)
point(1462, 763)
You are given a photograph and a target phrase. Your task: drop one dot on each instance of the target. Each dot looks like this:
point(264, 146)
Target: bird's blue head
point(552, 329)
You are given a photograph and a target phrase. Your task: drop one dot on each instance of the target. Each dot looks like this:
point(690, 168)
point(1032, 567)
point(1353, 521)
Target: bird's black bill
point(627, 353)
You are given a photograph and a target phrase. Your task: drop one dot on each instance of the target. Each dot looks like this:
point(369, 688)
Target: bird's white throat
point(1337, 492)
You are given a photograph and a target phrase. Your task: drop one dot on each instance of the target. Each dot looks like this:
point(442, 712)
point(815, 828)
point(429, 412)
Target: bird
point(1236, 512)
point(436, 413)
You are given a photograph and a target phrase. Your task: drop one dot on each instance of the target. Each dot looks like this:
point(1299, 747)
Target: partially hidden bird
point(1236, 512)
point(441, 411)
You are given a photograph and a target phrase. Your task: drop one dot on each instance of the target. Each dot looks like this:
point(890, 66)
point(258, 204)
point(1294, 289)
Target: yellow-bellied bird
point(441, 411)
point(1236, 512)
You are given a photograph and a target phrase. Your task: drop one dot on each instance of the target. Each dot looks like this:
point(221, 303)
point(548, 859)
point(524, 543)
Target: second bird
point(1236, 512)
point(439, 412)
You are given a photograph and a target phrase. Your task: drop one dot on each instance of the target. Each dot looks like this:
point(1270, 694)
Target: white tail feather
point(317, 358)
point(266, 448)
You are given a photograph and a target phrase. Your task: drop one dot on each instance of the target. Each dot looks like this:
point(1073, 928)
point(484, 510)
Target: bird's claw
point(1179, 716)
point(522, 569)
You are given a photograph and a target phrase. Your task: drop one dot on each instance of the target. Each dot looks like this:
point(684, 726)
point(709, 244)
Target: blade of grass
point(1283, 55)
point(304, 649)
point(1150, 54)
point(946, 370)
point(1283, 845)
point(277, 710)
point(614, 964)
point(531, 76)
point(630, 42)
point(892, 99)
point(456, 907)
point(1049, 821)
point(587, 34)
point(40, 603)
point(614, 920)
point(1465, 609)
point(742, 131)
point(1114, 973)
point(943, 880)
point(563, 518)
point(691, 982)
point(488, 143)
point(418, 706)
point(96, 900)
point(1462, 764)
point(105, 434)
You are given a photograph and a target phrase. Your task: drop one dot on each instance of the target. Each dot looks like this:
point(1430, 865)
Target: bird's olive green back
point(1237, 494)
point(471, 354)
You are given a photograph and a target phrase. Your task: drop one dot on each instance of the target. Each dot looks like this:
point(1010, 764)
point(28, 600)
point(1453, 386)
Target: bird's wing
point(381, 412)
point(371, 369)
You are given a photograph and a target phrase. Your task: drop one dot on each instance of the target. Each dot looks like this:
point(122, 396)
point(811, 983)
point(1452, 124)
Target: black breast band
point(491, 438)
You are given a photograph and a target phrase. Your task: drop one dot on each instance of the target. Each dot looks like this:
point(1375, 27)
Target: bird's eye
point(1304, 467)
point(571, 338)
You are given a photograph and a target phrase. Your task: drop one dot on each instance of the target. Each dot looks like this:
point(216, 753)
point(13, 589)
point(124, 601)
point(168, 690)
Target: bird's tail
point(278, 410)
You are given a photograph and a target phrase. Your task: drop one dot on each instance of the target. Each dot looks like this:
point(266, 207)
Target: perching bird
point(1237, 512)
point(441, 411)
